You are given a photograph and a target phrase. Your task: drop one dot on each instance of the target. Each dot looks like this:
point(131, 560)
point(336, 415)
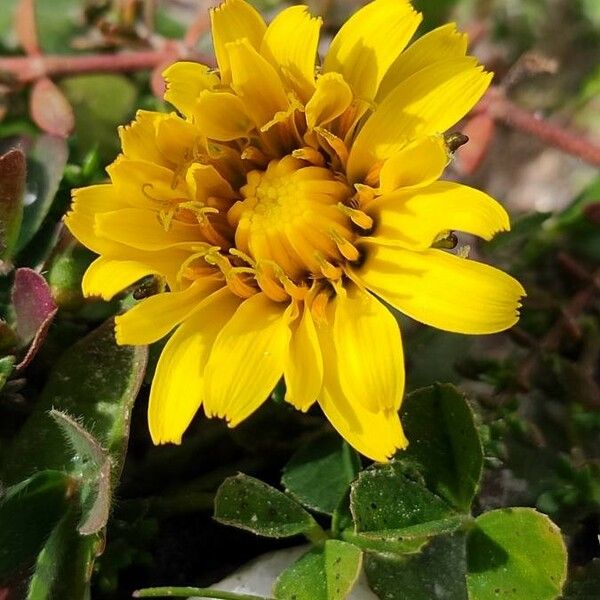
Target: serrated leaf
point(326, 573)
point(29, 511)
point(12, 186)
point(435, 573)
point(444, 443)
point(250, 504)
point(515, 553)
point(318, 474)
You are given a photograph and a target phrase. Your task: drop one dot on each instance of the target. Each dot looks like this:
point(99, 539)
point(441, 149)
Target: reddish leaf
point(12, 185)
point(480, 131)
point(25, 26)
point(34, 310)
point(50, 109)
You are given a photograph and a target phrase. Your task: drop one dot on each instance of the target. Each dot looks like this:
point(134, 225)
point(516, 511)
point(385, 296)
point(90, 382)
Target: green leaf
point(64, 566)
point(96, 382)
point(387, 505)
point(250, 504)
point(318, 475)
point(515, 553)
point(12, 186)
point(382, 498)
point(100, 103)
point(45, 165)
point(444, 444)
point(6, 367)
point(408, 539)
point(436, 573)
point(94, 466)
point(28, 513)
point(326, 573)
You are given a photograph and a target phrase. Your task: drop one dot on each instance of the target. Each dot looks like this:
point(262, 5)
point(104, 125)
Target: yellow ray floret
point(281, 204)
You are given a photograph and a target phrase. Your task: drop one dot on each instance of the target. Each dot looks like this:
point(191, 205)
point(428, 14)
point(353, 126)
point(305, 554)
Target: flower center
point(292, 215)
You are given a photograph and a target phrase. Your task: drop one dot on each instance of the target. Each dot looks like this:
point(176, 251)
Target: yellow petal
point(414, 218)
point(427, 103)
point(256, 82)
point(369, 42)
point(205, 182)
point(232, 21)
point(144, 184)
point(177, 139)
point(106, 277)
point(185, 81)
point(247, 359)
point(303, 370)
point(142, 229)
point(441, 289)
point(418, 163)
point(152, 318)
point(369, 350)
point(290, 44)
point(178, 385)
point(443, 43)
point(138, 140)
point(109, 275)
point(331, 98)
point(222, 116)
point(87, 202)
point(377, 434)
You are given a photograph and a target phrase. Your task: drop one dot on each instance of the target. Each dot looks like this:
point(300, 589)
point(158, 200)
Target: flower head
point(281, 203)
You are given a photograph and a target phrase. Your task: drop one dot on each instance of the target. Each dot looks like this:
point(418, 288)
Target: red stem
point(502, 109)
point(25, 69)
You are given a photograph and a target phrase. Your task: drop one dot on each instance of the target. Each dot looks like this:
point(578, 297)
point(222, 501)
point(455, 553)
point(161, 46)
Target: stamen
point(255, 155)
point(235, 277)
point(309, 155)
point(148, 195)
point(328, 269)
point(348, 250)
point(358, 217)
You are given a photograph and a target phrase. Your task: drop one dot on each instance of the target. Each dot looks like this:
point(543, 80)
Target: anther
point(358, 217)
point(328, 269)
point(310, 155)
point(348, 250)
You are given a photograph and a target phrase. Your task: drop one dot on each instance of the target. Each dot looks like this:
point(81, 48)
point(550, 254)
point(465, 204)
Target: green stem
point(317, 535)
point(186, 592)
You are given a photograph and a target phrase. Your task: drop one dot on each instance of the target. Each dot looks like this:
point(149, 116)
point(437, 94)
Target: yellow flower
point(279, 206)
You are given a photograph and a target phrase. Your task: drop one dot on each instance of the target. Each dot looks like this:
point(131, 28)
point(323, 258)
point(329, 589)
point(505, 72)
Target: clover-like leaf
point(515, 553)
point(250, 504)
point(393, 513)
point(319, 473)
point(325, 573)
point(444, 444)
